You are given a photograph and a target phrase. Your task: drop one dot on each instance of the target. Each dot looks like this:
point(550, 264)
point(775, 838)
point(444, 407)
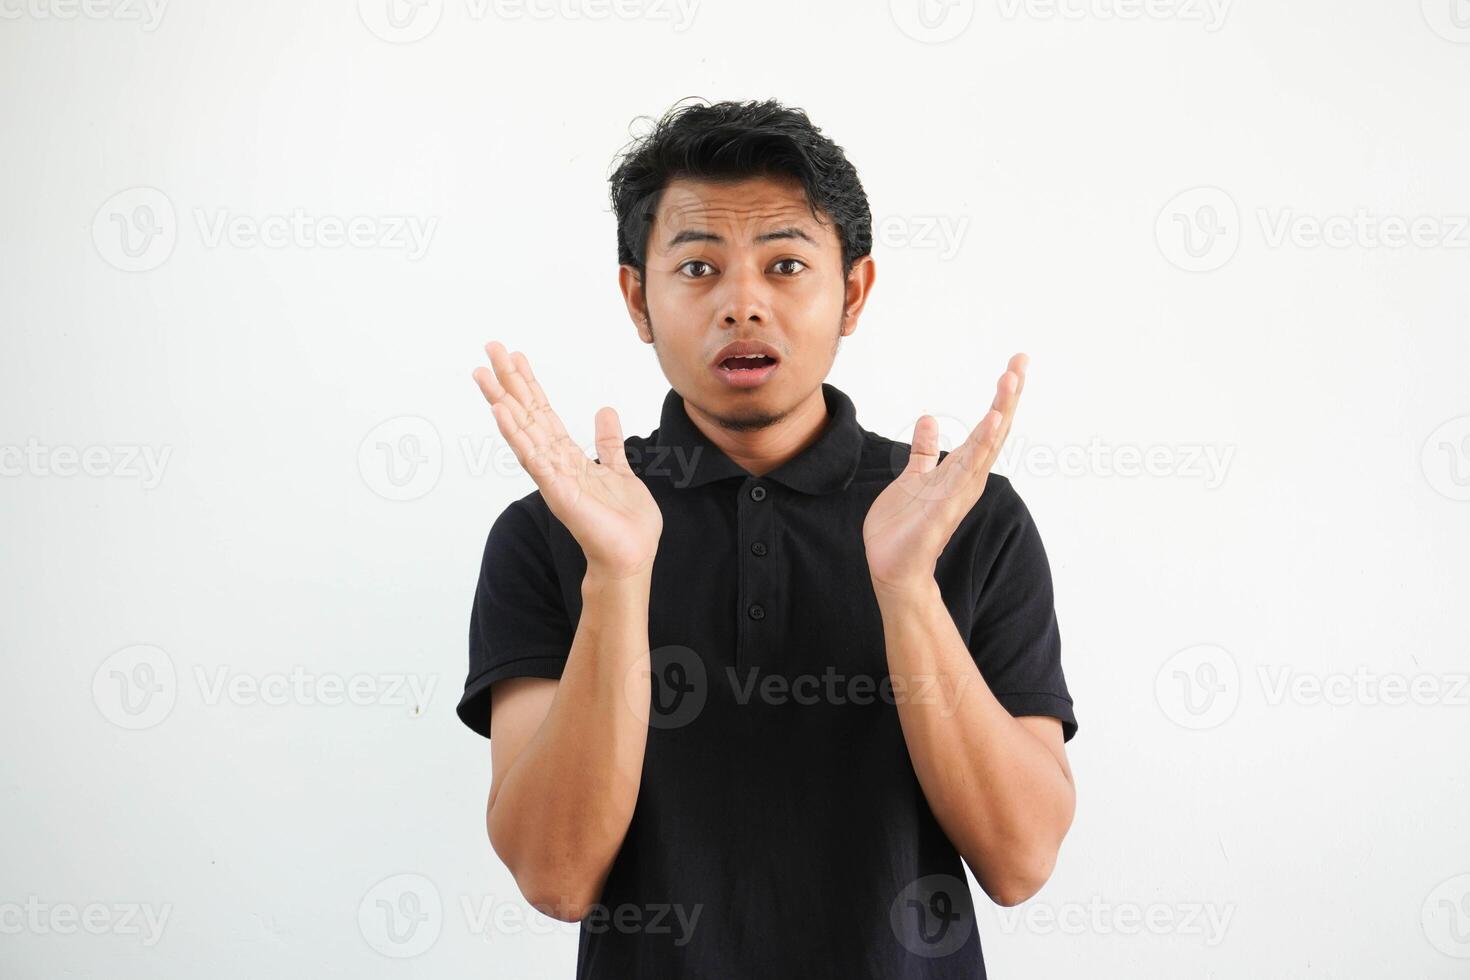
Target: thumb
point(610, 451)
point(924, 454)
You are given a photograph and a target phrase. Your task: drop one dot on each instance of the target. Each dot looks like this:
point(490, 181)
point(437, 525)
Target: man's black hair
point(733, 141)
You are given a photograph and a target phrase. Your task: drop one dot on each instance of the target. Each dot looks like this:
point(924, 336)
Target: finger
point(518, 398)
point(1016, 367)
point(539, 464)
point(1010, 398)
point(972, 456)
point(536, 448)
point(610, 451)
point(540, 405)
point(496, 394)
point(1007, 394)
point(489, 380)
point(489, 387)
point(509, 372)
point(493, 391)
point(973, 459)
point(924, 451)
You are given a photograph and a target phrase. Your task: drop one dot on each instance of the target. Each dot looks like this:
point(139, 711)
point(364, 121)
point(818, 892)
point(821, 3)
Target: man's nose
point(744, 296)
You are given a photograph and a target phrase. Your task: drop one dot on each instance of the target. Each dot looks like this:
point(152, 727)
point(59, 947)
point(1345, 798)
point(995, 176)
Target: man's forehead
point(742, 211)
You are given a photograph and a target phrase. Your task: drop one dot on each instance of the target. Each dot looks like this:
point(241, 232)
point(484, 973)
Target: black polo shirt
point(780, 832)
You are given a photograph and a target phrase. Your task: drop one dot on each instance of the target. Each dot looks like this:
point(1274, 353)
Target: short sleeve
point(519, 626)
point(1014, 635)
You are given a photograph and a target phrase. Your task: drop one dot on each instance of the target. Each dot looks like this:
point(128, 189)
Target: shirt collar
point(825, 466)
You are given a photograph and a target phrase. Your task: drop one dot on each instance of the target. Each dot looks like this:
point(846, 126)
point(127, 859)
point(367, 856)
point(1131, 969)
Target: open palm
point(912, 520)
point(602, 502)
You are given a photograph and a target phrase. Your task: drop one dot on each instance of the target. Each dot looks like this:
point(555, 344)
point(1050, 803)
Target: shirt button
point(759, 548)
point(757, 611)
point(757, 493)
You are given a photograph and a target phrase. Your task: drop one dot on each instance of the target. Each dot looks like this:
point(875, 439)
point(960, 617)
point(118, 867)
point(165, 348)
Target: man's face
point(744, 262)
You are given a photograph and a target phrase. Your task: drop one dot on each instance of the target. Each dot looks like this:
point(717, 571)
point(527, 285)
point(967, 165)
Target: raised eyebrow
point(690, 235)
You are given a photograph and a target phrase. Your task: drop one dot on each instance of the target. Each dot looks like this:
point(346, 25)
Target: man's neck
point(760, 451)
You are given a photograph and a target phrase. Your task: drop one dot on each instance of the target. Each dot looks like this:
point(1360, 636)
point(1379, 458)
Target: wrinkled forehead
point(744, 214)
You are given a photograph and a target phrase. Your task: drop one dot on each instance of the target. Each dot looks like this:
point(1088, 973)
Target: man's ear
point(631, 285)
point(859, 285)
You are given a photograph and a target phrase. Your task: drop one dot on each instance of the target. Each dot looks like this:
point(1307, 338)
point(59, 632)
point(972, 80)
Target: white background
point(325, 471)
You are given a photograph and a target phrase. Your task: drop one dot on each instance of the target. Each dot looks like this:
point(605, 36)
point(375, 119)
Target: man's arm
point(568, 755)
point(999, 785)
point(568, 759)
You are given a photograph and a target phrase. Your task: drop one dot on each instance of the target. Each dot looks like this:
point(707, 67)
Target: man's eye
point(792, 272)
point(691, 264)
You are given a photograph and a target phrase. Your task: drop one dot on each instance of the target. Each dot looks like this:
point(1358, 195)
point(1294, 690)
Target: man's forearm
point(998, 792)
point(564, 807)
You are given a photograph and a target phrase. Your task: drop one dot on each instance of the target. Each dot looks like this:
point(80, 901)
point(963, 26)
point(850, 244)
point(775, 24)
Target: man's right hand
point(603, 503)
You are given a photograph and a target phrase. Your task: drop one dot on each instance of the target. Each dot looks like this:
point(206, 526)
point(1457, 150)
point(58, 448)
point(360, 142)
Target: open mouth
point(746, 371)
point(746, 362)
